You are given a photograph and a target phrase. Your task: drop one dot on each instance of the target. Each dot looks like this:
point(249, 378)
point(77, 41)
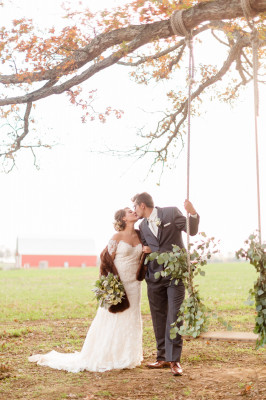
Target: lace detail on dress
point(112, 246)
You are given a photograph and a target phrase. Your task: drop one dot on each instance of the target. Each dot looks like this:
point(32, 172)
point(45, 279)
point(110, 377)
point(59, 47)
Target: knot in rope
point(178, 27)
point(177, 24)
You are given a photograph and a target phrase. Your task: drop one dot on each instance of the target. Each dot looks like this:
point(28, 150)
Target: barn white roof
point(55, 246)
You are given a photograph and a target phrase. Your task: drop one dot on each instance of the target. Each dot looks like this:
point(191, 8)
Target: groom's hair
point(143, 198)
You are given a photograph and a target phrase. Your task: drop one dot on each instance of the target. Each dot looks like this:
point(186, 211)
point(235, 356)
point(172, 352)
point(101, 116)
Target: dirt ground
point(212, 370)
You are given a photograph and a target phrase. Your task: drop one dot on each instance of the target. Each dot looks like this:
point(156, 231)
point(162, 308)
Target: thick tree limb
point(46, 91)
point(111, 47)
point(192, 17)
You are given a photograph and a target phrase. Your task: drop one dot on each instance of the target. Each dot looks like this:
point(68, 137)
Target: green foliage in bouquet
point(109, 290)
point(255, 252)
point(175, 264)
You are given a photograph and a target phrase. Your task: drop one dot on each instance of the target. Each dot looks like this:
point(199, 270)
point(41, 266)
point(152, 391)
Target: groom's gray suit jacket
point(173, 222)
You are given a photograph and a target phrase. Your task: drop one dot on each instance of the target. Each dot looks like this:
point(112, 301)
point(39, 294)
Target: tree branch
point(111, 47)
point(183, 109)
point(17, 143)
point(155, 56)
point(192, 17)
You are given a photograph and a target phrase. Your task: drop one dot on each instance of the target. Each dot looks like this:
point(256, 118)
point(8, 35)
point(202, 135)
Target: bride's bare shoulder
point(117, 237)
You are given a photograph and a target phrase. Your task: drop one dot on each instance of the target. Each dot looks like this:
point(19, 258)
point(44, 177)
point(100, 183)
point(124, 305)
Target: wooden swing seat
point(227, 336)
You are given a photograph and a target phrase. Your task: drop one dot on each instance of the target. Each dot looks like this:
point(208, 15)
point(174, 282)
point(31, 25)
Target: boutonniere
point(158, 222)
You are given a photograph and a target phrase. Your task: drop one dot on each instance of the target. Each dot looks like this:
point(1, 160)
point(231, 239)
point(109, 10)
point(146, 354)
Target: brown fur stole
point(142, 269)
point(107, 265)
point(141, 272)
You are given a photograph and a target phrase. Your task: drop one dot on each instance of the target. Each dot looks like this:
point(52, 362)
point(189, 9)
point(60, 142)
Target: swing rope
point(190, 82)
point(178, 27)
point(249, 13)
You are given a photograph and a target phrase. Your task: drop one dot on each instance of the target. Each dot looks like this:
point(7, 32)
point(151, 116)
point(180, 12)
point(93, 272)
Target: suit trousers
point(165, 300)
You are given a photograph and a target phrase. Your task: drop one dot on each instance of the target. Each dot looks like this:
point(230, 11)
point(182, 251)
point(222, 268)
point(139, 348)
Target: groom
point(160, 229)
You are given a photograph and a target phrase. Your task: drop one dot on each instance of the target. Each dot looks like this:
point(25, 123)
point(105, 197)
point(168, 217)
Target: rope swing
point(178, 27)
point(249, 13)
point(192, 310)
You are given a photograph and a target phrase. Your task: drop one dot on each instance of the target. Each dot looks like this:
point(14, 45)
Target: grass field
point(50, 309)
point(66, 293)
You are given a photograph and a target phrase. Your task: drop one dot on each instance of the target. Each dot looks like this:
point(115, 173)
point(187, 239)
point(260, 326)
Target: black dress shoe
point(176, 368)
point(159, 364)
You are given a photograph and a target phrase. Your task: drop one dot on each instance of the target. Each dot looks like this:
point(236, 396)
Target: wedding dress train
point(114, 341)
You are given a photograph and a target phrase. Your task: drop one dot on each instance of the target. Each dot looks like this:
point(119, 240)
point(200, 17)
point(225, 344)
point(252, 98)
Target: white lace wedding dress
point(114, 341)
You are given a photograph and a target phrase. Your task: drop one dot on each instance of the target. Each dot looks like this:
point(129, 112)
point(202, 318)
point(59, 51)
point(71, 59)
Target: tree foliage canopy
point(138, 36)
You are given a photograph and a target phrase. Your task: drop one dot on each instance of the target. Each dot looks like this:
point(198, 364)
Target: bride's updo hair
point(119, 223)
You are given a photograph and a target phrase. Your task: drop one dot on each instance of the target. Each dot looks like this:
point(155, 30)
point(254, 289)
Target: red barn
point(55, 252)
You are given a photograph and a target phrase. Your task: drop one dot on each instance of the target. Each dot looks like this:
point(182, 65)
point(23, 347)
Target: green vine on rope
point(194, 314)
point(255, 253)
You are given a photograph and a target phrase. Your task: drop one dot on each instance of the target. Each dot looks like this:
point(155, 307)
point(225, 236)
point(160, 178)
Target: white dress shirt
point(153, 218)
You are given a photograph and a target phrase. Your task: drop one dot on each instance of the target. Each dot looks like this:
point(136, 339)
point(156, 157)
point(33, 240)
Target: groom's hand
point(146, 249)
point(189, 207)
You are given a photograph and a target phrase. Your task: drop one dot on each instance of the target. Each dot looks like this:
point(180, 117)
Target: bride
point(114, 339)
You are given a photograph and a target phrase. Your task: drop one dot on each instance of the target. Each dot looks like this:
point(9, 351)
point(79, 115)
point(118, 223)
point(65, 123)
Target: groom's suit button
point(159, 364)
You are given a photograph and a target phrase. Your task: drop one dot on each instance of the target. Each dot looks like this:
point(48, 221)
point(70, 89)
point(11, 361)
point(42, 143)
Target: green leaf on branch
point(172, 336)
point(151, 257)
point(160, 259)
point(174, 329)
point(260, 320)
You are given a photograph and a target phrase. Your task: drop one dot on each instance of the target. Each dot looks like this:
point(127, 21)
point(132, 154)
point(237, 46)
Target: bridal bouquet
point(109, 290)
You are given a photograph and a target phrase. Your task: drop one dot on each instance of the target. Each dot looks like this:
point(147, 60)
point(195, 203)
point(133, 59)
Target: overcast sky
point(76, 192)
